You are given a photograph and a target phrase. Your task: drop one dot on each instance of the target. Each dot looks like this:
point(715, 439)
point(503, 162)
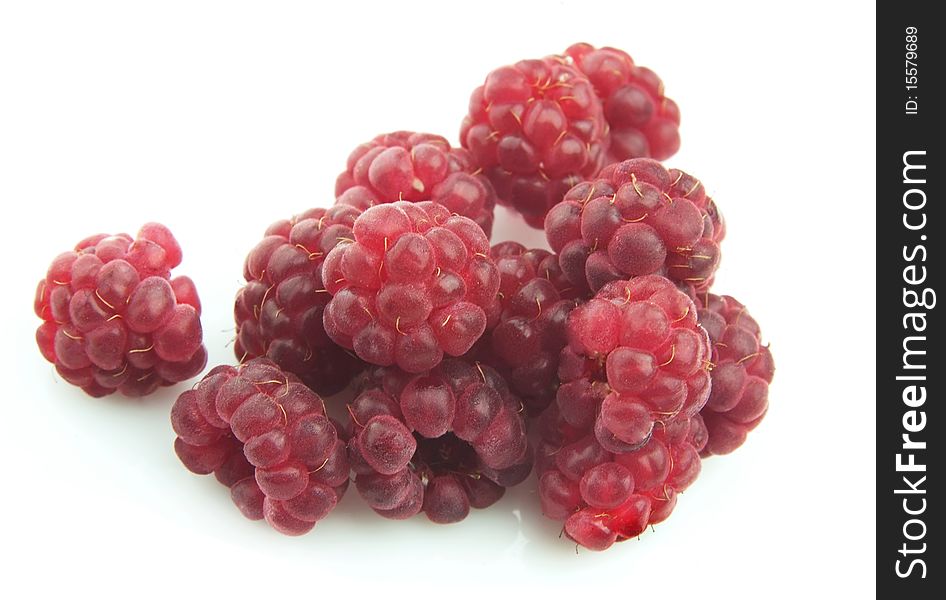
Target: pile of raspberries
point(385, 341)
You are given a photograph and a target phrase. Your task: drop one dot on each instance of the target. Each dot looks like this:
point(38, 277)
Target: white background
point(218, 118)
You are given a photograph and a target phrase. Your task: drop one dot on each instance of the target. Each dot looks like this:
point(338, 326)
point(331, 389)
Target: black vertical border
point(899, 247)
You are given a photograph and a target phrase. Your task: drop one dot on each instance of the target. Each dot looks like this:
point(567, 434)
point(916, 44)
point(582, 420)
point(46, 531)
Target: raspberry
point(266, 436)
point(278, 313)
point(742, 371)
point(441, 442)
point(113, 319)
point(528, 335)
point(605, 497)
point(642, 122)
point(417, 166)
point(536, 128)
point(413, 285)
point(635, 357)
point(636, 219)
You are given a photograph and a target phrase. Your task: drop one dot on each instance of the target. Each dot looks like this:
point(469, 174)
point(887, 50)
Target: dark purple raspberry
point(637, 218)
point(416, 283)
point(527, 337)
point(113, 319)
point(611, 496)
point(266, 436)
point(636, 358)
point(279, 312)
point(439, 442)
point(741, 374)
point(642, 122)
point(536, 128)
point(404, 165)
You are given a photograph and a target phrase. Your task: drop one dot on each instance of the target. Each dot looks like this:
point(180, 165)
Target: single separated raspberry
point(605, 497)
point(536, 128)
point(529, 334)
point(414, 284)
point(642, 122)
point(637, 218)
point(635, 357)
point(266, 436)
point(742, 371)
point(440, 442)
point(113, 319)
point(279, 312)
point(404, 165)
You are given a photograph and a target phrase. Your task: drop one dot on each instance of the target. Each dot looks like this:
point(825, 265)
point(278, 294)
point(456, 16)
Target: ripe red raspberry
point(113, 319)
point(742, 371)
point(414, 284)
point(440, 442)
point(605, 497)
point(279, 312)
point(642, 122)
point(635, 219)
point(404, 165)
point(266, 436)
point(636, 357)
point(527, 337)
point(536, 128)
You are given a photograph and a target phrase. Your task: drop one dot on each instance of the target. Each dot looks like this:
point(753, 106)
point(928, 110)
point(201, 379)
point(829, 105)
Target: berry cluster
point(742, 371)
point(636, 357)
point(606, 496)
point(622, 439)
point(266, 436)
point(279, 312)
point(609, 346)
point(414, 284)
point(440, 442)
point(526, 338)
point(637, 218)
point(415, 167)
point(113, 319)
point(642, 122)
point(536, 128)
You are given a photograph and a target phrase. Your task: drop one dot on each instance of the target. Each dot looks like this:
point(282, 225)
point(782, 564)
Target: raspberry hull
point(442, 442)
point(114, 320)
point(416, 283)
point(642, 122)
point(536, 128)
point(637, 218)
point(742, 371)
point(266, 436)
point(415, 167)
point(278, 313)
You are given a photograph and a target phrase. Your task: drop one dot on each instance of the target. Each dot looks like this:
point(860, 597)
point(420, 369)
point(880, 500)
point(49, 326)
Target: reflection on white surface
point(518, 547)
